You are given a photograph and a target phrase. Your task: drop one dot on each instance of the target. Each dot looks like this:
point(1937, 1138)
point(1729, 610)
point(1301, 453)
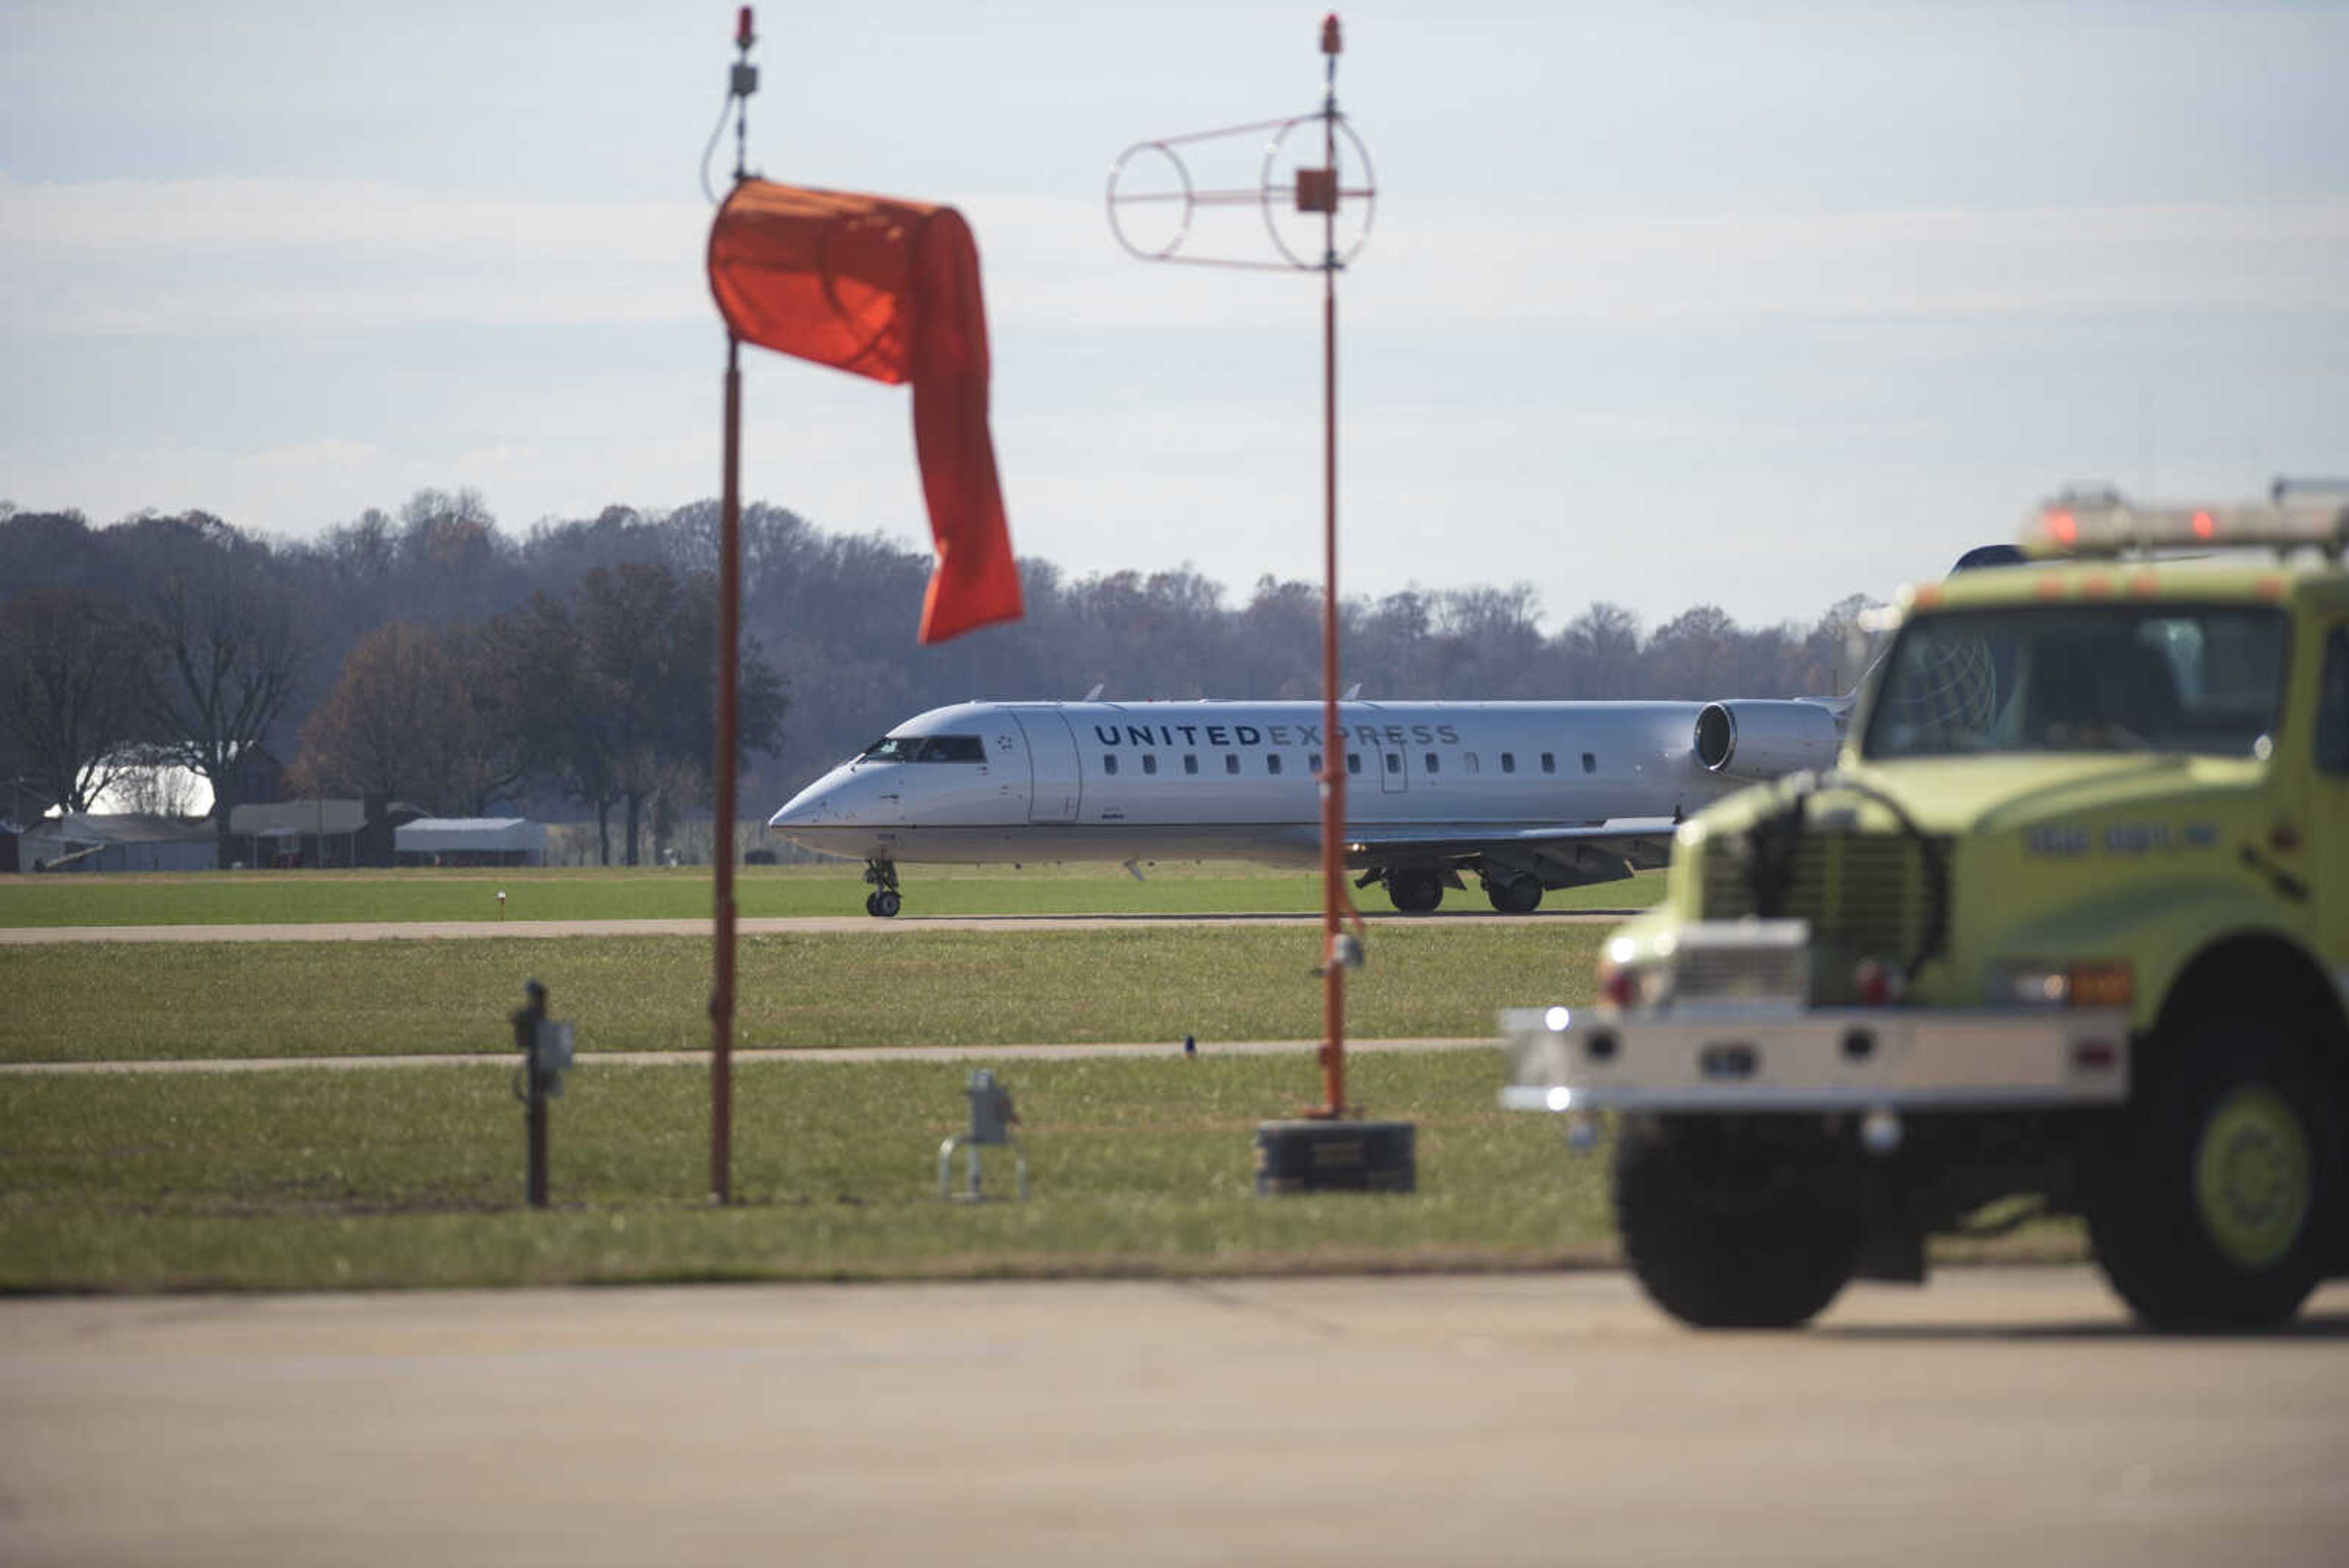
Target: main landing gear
point(1415, 892)
point(1517, 894)
point(883, 902)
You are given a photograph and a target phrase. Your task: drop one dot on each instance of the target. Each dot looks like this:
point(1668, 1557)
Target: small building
point(470, 841)
point(318, 832)
point(118, 841)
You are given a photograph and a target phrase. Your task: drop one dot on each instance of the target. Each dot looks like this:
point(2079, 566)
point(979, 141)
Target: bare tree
point(73, 680)
point(230, 653)
point(414, 714)
point(613, 694)
point(156, 787)
point(651, 643)
point(1697, 654)
point(560, 714)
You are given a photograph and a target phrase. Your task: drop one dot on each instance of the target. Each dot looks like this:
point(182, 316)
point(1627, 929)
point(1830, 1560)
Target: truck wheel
point(2211, 1201)
point(1725, 1238)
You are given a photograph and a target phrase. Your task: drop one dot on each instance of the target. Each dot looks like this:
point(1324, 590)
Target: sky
point(1756, 304)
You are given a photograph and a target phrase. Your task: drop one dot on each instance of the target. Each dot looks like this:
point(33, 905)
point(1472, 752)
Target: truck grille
point(1864, 895)
point(1749, 963)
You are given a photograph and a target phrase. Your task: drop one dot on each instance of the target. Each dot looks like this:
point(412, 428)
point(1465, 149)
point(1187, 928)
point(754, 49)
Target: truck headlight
point(2101, 982)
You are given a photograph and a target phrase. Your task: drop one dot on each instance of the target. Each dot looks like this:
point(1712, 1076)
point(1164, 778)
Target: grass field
point(413, 1177)
point(299, 897)
point(407, 1177)
point(105, 1002)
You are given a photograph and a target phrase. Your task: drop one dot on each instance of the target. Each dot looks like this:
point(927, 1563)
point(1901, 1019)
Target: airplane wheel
point(1517, 896)
point(872, 904)
point(1415, 892)
point(886, 903)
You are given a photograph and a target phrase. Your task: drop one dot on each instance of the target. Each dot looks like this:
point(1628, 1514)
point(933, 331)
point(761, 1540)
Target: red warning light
point(2204, 527)
point(2064, 526)
point(743, 36)
point(1330, 44)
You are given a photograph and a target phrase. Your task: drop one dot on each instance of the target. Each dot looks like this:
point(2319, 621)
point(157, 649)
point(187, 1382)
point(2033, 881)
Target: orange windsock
point(890, 290)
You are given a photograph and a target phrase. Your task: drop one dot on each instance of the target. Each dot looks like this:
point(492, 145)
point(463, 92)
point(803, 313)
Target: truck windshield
point(2067, 678)
point(925, 748)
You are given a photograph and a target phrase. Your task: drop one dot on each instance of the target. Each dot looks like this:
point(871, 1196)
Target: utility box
point(992, 1117)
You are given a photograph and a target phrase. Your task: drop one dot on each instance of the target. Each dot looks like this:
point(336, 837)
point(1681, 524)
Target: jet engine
point(1761, 740)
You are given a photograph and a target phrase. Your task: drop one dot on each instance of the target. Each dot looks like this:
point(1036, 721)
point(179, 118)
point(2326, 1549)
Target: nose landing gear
point(883, 902)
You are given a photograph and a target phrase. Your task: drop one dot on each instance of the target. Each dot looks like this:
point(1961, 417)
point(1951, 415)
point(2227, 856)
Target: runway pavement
point(1996, 1417)
point(801, 924)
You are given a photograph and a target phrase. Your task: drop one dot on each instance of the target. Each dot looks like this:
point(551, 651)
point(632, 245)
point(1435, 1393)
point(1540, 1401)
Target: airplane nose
point(813, 806)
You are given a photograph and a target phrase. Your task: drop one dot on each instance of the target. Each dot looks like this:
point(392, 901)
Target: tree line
point(433, 656)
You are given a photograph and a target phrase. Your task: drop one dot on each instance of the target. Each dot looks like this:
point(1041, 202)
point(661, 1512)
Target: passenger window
point(1272, 762)
point(1589, 762)
point(1231, 761)
point(1549, 762)
point(1150, 762)
point(2333, 705)
point(1314, 764)
point(1394, 762)
point(1508, 762)
point(1470, 758)
point(1109, 762)
point(1190, 762)
point(1434, 763)
point(1353, 761)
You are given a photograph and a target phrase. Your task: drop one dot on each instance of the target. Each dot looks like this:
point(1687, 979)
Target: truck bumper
point(1858, 1060)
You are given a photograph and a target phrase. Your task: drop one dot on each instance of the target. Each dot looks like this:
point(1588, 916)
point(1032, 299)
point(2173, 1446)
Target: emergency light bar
point(2103, 524)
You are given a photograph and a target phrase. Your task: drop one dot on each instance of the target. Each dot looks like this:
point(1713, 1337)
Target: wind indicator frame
point(1321, 191)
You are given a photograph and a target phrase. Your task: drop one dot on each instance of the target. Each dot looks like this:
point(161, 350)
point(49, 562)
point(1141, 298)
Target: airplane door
point(1394, 767)
point(1055, 786)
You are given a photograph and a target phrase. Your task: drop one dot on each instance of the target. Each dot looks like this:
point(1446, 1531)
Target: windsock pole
point(724, 760)
point(1334, 757)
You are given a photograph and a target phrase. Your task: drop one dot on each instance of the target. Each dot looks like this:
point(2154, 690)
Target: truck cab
point(2066, 930)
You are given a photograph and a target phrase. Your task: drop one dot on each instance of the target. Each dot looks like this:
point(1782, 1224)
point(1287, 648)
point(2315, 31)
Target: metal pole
point(1334, 777)
point(526, 1021)
point(729, 605)
point(537, 1135)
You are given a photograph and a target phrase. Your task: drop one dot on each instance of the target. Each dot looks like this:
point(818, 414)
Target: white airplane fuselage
point(1426, 782)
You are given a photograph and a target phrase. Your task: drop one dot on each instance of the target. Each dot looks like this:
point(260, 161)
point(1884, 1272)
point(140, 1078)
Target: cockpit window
point(925, 748)
point(2075, 677)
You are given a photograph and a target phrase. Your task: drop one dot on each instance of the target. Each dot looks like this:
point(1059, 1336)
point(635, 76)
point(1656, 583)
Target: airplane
point(1525, 796)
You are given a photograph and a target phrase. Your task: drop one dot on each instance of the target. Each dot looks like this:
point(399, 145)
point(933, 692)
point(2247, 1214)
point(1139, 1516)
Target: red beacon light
point(2105, 525)
point(743, 36)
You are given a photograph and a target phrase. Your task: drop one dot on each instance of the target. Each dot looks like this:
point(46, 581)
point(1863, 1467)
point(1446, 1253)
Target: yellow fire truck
point(2065, 931)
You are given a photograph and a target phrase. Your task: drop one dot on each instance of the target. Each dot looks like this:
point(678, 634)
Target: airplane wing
point(1644, 842)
